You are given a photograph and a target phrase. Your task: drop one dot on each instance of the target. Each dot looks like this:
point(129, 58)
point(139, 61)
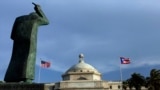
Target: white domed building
point(81, 71)
point(82, 76)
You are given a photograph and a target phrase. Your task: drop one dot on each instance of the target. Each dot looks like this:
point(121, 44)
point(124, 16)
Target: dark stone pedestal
point(24, 86)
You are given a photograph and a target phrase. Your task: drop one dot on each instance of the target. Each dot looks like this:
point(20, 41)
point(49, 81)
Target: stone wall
point(81, 85)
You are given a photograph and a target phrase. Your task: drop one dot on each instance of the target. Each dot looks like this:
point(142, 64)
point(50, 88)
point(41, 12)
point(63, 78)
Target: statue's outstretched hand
point(37, 8)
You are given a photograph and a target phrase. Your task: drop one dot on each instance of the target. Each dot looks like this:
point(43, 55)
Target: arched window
point(82, 78)
point(119, 87)
point(110, 87)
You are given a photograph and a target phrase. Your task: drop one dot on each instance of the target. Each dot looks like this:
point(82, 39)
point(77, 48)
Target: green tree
point(137, 81)
point(153, 82)
point(130, 83)
point(125, 85)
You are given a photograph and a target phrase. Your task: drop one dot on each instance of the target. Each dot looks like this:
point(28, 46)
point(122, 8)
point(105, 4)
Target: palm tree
point(137, 81)
point(153, 81)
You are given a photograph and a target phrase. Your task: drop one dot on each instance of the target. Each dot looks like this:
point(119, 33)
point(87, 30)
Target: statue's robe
point(24, 35)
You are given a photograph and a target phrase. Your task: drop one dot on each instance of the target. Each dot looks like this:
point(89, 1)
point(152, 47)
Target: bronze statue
point(24, 34)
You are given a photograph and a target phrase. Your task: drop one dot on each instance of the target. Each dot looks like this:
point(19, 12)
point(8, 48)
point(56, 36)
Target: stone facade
point(81, 85)
point(115, 85)
point(81, 76)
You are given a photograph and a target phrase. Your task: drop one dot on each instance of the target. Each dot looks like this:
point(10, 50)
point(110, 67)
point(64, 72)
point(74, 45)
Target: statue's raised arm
point(39, 11)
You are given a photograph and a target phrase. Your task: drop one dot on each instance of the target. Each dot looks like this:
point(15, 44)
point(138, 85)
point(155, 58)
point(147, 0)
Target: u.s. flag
point(45, 64)
point(125, 60)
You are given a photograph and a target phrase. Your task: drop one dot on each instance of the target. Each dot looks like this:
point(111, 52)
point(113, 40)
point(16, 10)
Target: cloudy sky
point(103, 30)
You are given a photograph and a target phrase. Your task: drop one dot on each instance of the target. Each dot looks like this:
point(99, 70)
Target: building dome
point(82, 66)
point(81, 71)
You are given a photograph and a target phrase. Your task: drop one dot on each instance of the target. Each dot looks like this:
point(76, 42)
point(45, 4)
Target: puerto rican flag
point(125, 60)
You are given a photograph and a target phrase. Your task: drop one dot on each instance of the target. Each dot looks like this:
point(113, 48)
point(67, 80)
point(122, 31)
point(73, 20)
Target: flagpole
point(121, 76)
point(123, 61)
point(39, 73)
